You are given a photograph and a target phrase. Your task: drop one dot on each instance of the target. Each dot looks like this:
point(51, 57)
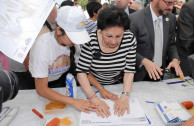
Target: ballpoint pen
point(96, 91)
point(150, 102)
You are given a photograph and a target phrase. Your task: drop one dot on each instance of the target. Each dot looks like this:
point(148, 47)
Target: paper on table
point(187, 83)
point(20, 23)
point(10, 113)
point(136, 116)
point(172, 112)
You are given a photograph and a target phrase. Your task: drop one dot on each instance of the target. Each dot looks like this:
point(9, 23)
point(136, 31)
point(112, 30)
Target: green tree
point(83, 3)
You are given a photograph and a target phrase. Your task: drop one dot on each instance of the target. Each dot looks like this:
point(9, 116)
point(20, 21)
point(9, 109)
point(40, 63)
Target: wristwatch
point(126, 93)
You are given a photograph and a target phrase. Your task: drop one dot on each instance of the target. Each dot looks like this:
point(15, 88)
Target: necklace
point(108, 46)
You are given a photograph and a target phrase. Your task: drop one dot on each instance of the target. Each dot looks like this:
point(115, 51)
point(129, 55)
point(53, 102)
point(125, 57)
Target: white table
point(144, 91)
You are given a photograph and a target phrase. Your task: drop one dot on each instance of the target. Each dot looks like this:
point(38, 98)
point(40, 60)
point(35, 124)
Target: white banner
point(20, 23)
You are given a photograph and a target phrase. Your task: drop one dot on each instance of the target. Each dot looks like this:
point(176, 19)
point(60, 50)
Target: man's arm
point(172, 50)
point(134, 30)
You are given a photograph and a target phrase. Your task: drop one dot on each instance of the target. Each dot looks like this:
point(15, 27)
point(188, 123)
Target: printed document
point(136, 117)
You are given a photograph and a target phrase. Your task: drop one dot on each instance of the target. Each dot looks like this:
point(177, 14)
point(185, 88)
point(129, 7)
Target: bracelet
point(126, 93)
point(100, 88)
point(92, 96)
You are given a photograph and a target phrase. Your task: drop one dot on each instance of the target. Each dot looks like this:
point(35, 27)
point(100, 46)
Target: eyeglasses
point(170, 3)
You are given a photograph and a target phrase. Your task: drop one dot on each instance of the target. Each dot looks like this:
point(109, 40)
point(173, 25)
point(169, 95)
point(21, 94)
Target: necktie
point(158, 44)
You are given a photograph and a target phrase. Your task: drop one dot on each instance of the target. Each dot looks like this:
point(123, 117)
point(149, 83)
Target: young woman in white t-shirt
point(50, 56)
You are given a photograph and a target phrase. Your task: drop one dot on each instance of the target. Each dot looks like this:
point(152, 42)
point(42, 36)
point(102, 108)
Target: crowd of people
point(119, 43)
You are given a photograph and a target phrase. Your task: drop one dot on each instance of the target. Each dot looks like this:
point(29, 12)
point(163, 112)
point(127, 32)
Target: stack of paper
point(172, 112)
point(136, 117)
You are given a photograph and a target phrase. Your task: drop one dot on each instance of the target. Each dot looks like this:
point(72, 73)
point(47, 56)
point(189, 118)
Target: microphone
point(97, 54)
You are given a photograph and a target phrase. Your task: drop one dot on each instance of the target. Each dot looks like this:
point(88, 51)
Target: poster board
point(20, 23)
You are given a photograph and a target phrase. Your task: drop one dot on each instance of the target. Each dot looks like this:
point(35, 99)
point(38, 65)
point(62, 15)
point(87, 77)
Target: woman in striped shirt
point(111, 51)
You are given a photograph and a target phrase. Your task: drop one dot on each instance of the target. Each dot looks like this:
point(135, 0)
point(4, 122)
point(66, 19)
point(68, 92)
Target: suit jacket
point(131, 10)
point(185, 33)
point(185, 43)
point(141, 24)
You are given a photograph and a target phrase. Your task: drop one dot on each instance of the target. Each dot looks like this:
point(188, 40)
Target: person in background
point(137, 5)
point(104, 3)
point(176, 9)
point(108, 58)
point(185, 35)
point(67, 3)
point(93, 9)
point(4, 62)
point(51, 58)
point(154, 28)
point(85, 11)
point(124, 4)
point(76, 3)
point(147, 3)
point(179, 5)
point(130, 2)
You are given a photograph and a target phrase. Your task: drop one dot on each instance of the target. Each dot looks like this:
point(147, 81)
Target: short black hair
point(67, 3)
point(92, 8)
point(113, 16)
point(62, 30)
point(93, 1)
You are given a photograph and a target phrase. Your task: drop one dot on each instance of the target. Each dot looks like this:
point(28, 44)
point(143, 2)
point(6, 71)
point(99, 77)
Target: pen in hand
point(96, 91)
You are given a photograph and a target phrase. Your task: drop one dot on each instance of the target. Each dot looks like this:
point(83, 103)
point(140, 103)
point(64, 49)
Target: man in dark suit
point(124, 4)
point(154, 47)
point(185, 43)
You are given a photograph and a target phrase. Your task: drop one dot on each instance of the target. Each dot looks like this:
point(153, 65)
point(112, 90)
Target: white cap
point(104, 1)
point(72, 20)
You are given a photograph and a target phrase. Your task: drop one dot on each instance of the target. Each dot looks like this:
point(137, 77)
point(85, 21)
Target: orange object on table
point(54, 105)
point(66, 121)
point(187, 104)
point(54, 122)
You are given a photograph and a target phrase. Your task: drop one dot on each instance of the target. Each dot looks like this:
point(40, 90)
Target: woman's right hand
point(83, 105)
point(108, 95)
point(103, 108)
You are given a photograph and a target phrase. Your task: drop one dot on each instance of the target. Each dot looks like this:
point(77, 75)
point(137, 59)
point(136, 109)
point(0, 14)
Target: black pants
point(185, 65)
point(58, 83)
point(25, 80)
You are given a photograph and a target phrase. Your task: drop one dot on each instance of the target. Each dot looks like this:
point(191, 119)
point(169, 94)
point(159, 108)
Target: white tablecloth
point(144, 91)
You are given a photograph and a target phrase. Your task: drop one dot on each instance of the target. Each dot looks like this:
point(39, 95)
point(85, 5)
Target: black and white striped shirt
point(106, 66)
point(90, 26)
